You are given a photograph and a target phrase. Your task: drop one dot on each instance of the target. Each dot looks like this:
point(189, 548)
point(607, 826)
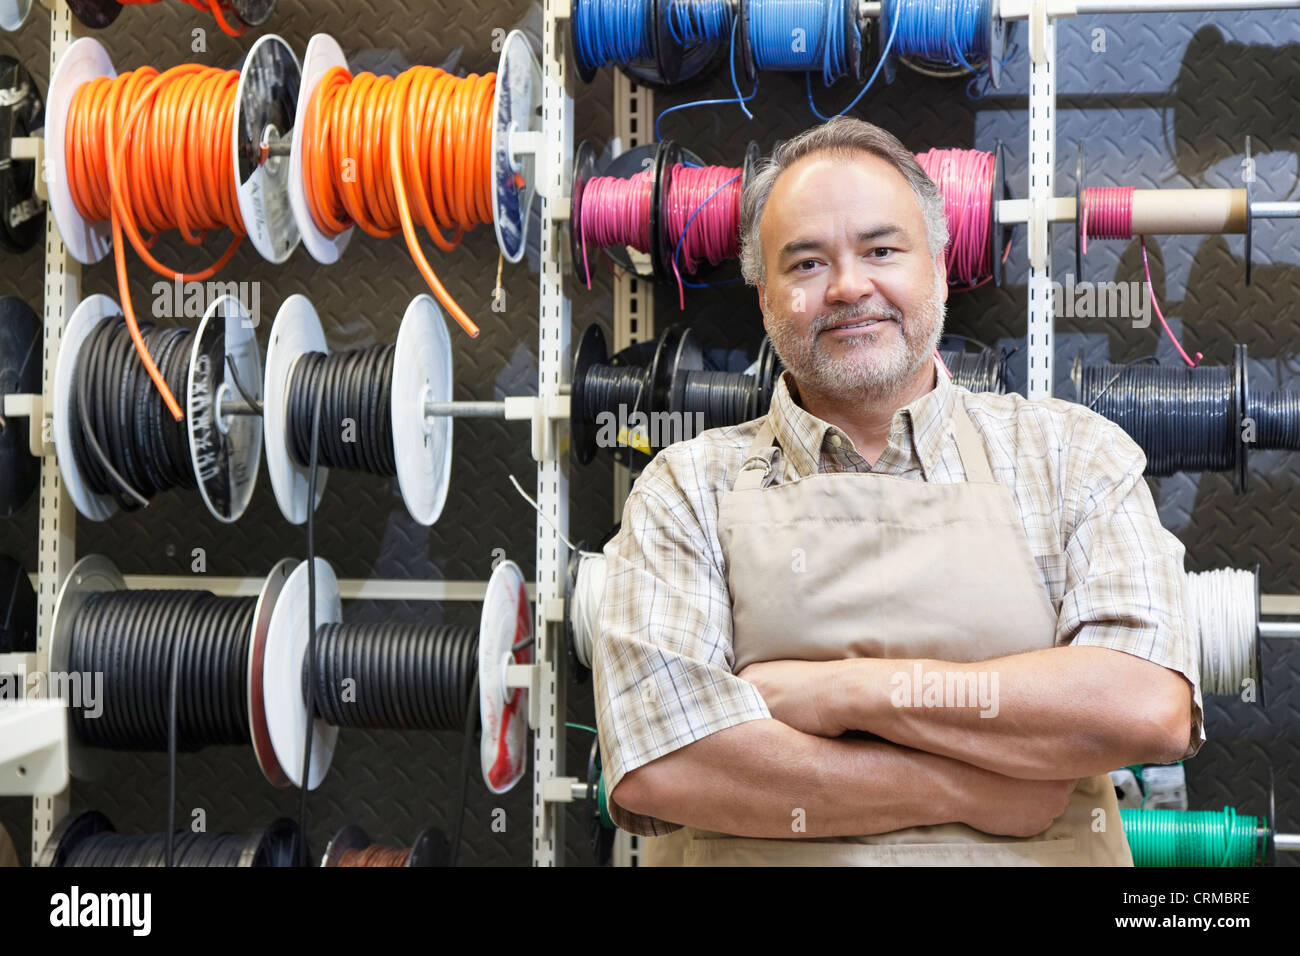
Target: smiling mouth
point(858, 325)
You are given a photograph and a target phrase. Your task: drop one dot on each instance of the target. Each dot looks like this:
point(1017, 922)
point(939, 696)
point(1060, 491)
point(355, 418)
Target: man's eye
point(799, 266)
point(885, 249)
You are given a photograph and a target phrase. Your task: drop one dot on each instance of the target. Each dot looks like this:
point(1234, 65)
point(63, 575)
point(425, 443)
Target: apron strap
point(973, 456)
point(758, 459)
point(974, 459)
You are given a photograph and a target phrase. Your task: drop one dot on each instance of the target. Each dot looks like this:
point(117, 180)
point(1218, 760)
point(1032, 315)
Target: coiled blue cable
point(952, 32)
point(693, 22)
point(799, 35)
point(611, 32)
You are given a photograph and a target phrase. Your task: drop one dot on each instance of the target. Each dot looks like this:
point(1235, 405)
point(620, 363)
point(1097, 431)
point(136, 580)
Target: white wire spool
point(585, 604)
point(1223, 605)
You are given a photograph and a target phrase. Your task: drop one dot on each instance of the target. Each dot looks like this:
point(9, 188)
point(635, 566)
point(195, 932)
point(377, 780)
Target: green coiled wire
point(1192, 837)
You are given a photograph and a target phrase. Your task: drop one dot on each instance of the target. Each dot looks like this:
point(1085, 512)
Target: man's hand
point(799, 693)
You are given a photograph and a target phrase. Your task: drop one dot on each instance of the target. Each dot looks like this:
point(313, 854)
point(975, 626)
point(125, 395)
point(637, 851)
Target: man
point(893, 621)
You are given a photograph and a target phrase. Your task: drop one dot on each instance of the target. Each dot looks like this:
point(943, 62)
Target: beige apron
point(839, 565)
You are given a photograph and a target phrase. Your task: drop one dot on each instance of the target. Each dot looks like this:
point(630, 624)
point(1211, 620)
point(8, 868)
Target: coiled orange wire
point(381, 152)
point(154, 151)
point(218, 8)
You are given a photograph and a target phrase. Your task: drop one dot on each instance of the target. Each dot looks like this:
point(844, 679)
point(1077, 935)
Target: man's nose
point(849, 282)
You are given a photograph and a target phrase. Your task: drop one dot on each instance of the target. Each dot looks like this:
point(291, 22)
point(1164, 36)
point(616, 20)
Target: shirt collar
point(919, 428)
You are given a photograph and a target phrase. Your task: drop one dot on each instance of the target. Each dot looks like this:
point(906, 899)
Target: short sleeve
point(662, 654)
point(1125, 583)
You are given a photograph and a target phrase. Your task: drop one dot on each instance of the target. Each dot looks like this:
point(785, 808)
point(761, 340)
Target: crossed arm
point(1063, 713)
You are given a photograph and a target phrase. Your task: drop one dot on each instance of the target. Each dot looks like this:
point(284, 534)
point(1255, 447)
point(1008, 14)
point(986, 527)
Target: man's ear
point(762, 302)
point(942, 266)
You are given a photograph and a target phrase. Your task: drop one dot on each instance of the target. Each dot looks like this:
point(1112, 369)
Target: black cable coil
point(1277, 419)
point(396, 676)
point(126, 442)
point(1180, 416)
point(723, 397)
point(979, 371)
point(89, 840)
point(356, 417)
point(609, 387)
point(128, 636)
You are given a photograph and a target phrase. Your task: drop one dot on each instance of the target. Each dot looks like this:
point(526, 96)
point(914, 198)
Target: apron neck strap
point(974, 459)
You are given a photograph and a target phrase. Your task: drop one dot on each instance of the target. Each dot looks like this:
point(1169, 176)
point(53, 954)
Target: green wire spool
point(1195, 837)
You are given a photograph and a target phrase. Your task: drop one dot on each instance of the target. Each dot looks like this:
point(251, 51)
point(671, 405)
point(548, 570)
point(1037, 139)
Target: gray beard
point(868, 372)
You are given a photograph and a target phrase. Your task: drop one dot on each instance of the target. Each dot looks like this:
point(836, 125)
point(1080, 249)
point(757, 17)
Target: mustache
point(840, 316)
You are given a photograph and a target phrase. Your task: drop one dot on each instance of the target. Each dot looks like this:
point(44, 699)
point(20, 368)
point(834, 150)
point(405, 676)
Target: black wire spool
point(396, 676)
point(130, 637)
point(602, 837)
point(20, 374)
point(1192, 419)
point(351, 847)
point(98, 14)
point(979, 371)
point(22, 113)
point(125, 441)
point(89, 840)
point(356, 419)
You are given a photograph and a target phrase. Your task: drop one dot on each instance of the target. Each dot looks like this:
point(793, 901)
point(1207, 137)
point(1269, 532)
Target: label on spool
point(267, 102)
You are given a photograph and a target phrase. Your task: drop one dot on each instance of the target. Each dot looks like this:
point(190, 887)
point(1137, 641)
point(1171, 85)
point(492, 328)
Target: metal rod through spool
point(466, 409)
point(1279, 630)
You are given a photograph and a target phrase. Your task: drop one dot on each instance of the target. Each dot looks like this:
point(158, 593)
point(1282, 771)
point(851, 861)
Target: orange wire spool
point(144, 152)
point(151, 151)
point(383, 153)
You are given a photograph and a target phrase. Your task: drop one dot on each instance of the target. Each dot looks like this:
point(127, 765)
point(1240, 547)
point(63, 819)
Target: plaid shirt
point(662, 656)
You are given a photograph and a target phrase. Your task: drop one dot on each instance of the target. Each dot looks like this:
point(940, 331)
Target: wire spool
point(464, 153)
point(1195, 837)
point(1224, 605)
point(232, 16)
point(22, 113)
point(641, 38)
point(129, 636)
point(398, 676)
point(1202, 418)
point(20, 374)
point(983, 370)
point(650, 379)
point(89, 839)
point(1120, 212)
point(108, 173)
point(351, 847)
point(658, 211)
point(972, 184)
point(965, 34)
point(599, 825)
point(13, 13)
point(583, 587)
point(1184, 419)
point(17, 609)
point(382, 391)
point(118, 445)
point(833, 43)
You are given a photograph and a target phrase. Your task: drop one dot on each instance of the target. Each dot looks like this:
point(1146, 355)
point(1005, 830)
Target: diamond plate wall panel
point(1163, 100)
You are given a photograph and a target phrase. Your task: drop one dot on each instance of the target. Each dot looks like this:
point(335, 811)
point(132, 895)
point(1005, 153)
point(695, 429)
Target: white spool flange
point(323, 54)
point(296, 330)
point(515, 111)
point(507, 619)
point(283, 667)
point(422, 372)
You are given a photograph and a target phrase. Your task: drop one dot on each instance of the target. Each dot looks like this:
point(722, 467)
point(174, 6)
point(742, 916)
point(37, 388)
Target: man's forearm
point(761, 778)
point(1057, 712)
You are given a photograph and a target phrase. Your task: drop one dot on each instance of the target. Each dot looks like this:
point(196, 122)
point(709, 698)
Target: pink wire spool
point(1107, 213)
point(644, 201)
point(971, 181)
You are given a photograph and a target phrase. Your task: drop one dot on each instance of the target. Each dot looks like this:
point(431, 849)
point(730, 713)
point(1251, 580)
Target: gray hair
point(841, 136)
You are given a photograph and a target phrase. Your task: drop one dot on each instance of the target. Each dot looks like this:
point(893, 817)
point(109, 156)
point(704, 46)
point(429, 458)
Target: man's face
point(853, 301)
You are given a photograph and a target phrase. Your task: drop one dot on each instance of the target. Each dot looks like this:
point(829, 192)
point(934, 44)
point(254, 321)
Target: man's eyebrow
point(816, 245)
